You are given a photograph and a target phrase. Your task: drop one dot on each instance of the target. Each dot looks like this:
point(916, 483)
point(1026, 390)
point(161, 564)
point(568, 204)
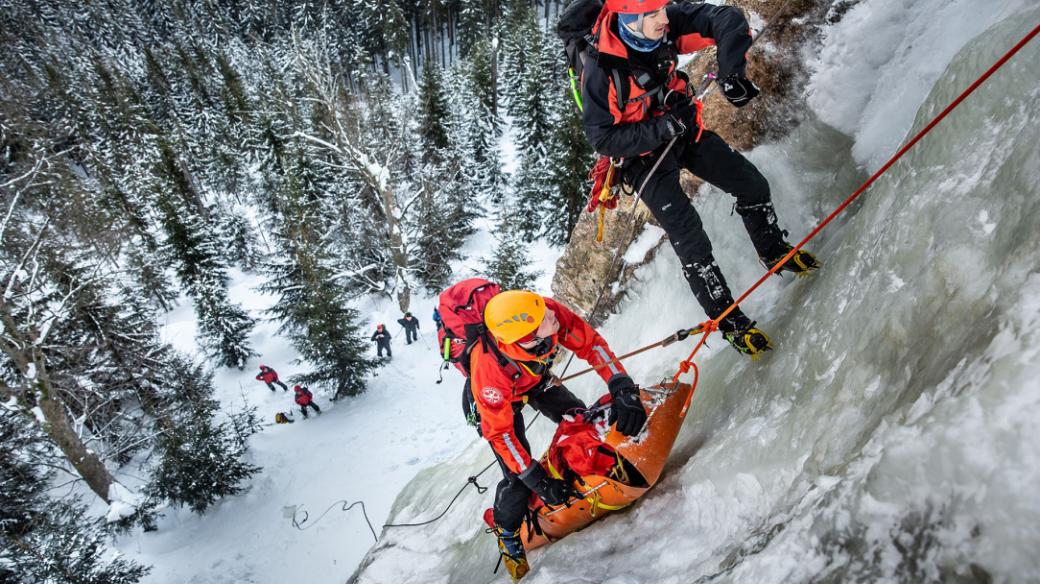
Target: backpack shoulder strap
point(619, 89)
point(491, 348)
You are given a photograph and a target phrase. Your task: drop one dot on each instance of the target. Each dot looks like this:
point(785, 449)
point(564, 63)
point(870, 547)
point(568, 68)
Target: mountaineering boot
point(708, 285)
point(762, 227)
point(512, 551)
point(710, 289)
point(744, 336)
point(800, 264)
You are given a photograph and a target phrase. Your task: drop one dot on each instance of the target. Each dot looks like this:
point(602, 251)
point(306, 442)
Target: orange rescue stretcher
point(638, 469)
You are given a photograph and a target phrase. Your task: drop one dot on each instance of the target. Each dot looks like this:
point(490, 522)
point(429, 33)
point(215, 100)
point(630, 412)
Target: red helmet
point(297, 388)
point(634, 6)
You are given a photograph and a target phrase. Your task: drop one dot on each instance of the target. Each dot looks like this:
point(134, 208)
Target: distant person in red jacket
point(270, 377)
point(304, 398)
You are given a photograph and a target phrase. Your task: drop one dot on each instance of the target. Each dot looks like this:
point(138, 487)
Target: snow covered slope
point(360, 449)
point(892, 434)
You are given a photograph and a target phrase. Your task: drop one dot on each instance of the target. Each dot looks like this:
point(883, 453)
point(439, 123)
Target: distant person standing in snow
point(382, 339)
point(528, 330)
point(638, 107)
point(270, 377)
point(304, 398)
point(438, 323)
point(411, 328)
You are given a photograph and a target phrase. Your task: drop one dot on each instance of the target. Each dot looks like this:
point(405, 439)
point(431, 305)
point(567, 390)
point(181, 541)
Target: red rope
point(870, 181)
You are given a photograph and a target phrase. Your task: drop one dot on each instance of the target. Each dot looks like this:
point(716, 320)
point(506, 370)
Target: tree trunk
point(56, 423)
point(442, 36)
point(194, 195)
point(404, 296)
point(397, 251)
point(59, 427)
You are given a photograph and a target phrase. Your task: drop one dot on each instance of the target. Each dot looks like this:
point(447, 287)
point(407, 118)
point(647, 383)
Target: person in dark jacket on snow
point(382, 339)
point(411, 328)
point(270, 377)
point(438, 323)
point(636, 55)
point(305, 398)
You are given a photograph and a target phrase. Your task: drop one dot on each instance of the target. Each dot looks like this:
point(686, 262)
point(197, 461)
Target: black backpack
point(579, 44)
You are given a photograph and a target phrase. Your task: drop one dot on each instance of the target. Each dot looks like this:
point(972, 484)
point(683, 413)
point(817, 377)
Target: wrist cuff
point(533, 475)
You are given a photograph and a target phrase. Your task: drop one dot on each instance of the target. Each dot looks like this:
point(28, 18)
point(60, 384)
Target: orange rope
point(713, 324)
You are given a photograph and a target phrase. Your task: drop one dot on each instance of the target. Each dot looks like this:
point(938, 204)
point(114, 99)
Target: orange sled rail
point(643, 461)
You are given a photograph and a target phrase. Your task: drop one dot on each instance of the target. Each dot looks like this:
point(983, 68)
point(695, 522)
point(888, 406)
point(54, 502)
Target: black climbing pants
point(304, 407)
point(411, 334)
point(380, 346)
point(271, 385)
point(512, 494)
point(720, 165)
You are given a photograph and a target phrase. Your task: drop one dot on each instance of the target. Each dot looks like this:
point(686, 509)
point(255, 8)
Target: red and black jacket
point(303, 396)
point(497, 387)
point(267, 375)
point(630, 124)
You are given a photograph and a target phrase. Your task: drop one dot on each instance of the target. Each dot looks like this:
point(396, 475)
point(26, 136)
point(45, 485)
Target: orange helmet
point(634, 6)
point(514, 314)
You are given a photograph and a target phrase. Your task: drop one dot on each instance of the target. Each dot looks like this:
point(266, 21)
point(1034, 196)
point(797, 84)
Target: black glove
point(681, 116)
point(627, 409)
point(739, 90)
point(552, 491)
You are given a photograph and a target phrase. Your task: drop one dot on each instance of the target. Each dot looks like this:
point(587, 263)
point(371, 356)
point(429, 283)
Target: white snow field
point(892, 434)
point(362, 448)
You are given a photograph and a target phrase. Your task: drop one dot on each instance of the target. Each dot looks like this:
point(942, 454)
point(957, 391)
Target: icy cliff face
point(892, 435)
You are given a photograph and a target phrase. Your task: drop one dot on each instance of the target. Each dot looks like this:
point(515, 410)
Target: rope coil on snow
point(346, 506)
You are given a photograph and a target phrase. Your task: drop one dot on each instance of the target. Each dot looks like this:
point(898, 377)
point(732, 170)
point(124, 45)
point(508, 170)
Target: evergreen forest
point(151, 149)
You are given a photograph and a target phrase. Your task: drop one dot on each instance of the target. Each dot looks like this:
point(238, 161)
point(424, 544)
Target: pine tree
point(433, 114)
point(66, 545)
point(445, 221)
point(472, 24)
point(315, 316)
point(533, 113)
point(476, 127)
point(47, 540)
point(313, 303)
point(570, 167)
point(223, 327)
point(201, 459)
point(509, 266)
point(445, 211)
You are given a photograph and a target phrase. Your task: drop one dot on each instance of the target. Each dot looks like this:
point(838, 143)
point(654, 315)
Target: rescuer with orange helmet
point(527, 330)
